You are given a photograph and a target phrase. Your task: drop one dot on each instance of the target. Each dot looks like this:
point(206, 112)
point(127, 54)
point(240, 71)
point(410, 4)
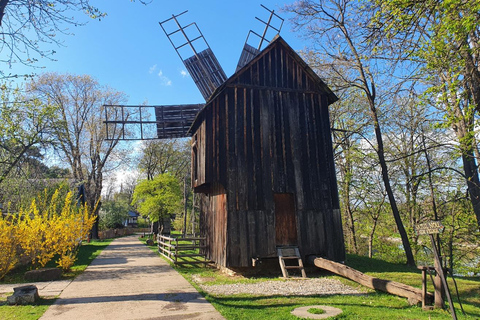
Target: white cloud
point(165, 81)
point(184, 73)
point(152, 68)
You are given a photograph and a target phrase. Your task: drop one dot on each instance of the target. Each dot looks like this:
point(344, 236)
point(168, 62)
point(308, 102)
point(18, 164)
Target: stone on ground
point(23, 295)
point(44, 274)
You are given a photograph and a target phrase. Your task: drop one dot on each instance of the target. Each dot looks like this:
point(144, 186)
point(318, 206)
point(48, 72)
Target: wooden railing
point(182, 250)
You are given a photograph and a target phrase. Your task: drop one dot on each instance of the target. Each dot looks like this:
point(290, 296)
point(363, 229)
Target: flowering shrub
point(51, 226)
point(8, 247)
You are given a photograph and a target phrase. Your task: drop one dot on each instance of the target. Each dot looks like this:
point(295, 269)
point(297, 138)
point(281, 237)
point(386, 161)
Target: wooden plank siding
point(266, 131)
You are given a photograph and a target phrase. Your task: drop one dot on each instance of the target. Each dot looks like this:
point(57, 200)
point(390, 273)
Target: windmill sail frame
point(249, 52)
point(203, 66)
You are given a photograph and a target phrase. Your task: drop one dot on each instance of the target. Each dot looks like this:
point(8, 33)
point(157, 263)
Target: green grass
point(316, 311)
point(369, 305)
point(32, 312)
point(86, 254)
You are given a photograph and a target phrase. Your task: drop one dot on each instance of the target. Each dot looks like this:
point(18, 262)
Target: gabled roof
point(279, 40)
point(133, 214)
point(331, 97)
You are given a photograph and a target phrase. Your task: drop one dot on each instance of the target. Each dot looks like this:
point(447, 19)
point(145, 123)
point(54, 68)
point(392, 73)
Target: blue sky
point(128, 50)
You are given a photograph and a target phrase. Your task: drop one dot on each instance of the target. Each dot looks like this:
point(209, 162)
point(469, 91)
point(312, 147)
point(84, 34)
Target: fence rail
point(114, 233)
point(177, 249)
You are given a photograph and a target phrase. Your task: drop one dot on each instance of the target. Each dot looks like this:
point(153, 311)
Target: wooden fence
point(182, 250)
point(114, 233)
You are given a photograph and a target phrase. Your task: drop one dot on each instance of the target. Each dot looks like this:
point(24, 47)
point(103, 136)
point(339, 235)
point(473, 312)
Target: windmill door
point(285, 219)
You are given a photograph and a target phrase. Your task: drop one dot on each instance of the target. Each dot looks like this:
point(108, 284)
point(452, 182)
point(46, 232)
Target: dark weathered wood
point(248, 53)
point(396, 288)
point(290, 253)
point(285, 219)
point(206, 72)
point(264, 131)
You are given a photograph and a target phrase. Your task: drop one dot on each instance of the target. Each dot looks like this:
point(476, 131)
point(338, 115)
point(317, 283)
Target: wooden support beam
point(413, 295)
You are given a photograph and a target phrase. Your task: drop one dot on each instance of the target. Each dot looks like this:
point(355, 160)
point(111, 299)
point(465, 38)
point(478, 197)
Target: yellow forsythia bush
point(8, 247)
point(51, 226)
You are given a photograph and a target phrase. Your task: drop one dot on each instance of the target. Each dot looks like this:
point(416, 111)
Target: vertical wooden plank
point(254, 72)
point(305, 151)
point(315, 192)
point(243, 238)
point(258, 158)
point(268, 69)
point(283, 68)
point(275, 66)
point(249, 149)
point(233, 250)
point(222, 127)
point(254, 238)
point(208, 144)
point(241, 174)
point(279, 145)
point(265, 121)
point(288, 163)
point(297, 149)
point(261, 71)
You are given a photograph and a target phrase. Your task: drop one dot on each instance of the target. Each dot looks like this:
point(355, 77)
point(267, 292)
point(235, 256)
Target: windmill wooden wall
point(262, 162)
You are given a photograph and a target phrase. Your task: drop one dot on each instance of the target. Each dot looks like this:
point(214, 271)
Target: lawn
point(86, 254)
point(371, 305)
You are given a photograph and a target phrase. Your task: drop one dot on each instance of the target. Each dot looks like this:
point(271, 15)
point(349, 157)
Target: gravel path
point(304, 287)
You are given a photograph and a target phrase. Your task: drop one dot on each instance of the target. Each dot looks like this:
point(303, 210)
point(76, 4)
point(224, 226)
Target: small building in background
point(262, 163)
point(132, 220)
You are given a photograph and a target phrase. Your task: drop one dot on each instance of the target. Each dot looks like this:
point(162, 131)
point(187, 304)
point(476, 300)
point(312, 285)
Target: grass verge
point(371, 305)
point(87, 252)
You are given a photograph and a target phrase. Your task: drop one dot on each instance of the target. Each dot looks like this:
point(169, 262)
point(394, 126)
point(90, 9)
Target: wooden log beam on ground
point(413, 295)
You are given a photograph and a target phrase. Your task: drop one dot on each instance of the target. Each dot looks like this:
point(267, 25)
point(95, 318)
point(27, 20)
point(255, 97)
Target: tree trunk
point(370, 238)
point(388, 188)
point(3, 4)
point(473, 181)
point(94, 232)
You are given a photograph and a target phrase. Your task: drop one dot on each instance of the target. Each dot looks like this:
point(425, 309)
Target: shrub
point(8, 247)
point(50, 226)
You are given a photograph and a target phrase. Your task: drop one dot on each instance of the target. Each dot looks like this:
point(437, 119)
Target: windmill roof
point(331, 97)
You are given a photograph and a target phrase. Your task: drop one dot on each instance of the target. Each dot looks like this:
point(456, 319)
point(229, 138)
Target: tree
point(27, 125)
point(114, 212)
point(162, 156)
point(158, 198)
point(443, 37)
point(25, 24)
point(438, 34)
point(349, 123)
point(343, 55)
point(80, 134)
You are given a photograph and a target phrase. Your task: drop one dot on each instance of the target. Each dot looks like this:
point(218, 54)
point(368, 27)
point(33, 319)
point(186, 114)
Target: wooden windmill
point(262, 157)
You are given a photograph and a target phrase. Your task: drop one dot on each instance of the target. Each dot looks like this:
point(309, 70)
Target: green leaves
point(26, 124)
point(158, 198)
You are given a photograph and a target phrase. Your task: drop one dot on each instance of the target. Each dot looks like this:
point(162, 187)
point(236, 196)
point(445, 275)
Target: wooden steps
point(290, 253)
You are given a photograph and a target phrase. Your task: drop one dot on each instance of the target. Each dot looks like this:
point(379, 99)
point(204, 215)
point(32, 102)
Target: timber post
point(414, 295)
point(430, 228)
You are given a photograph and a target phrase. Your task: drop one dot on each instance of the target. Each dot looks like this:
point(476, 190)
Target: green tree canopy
point(158, 198)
